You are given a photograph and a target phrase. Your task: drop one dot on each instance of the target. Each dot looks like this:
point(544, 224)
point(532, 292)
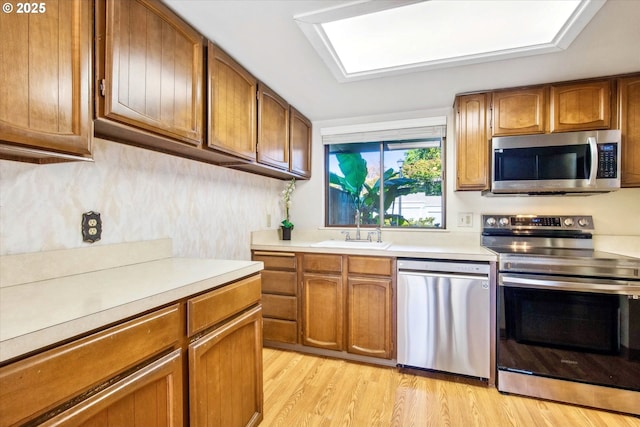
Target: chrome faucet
point(357, 220)
point(357, 238)
point(378, 232)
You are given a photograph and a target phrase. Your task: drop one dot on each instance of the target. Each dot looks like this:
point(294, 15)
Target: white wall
point(616, 213)
point(207, 210)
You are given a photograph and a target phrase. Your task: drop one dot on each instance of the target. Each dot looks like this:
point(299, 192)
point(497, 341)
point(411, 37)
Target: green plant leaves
point(354, 169)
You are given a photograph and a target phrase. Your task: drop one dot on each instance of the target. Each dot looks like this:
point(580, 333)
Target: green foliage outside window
point(419, 172)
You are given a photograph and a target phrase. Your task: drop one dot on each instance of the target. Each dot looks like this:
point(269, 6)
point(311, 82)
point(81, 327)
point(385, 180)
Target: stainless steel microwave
point(558, 163)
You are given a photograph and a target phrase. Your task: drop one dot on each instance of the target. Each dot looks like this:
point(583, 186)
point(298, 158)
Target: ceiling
point(263, 36)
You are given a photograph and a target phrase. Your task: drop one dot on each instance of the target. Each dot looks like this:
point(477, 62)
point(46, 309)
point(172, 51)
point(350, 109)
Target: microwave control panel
point(607, 160)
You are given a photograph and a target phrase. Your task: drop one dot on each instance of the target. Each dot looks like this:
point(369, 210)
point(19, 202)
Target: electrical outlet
point(91, 227)
point(465, 219)
point(268, 220)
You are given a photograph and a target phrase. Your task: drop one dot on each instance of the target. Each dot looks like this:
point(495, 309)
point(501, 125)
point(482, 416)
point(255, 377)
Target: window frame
point(381, 216)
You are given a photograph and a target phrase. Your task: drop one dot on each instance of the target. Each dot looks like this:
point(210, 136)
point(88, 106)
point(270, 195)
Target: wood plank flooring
point(305, 390)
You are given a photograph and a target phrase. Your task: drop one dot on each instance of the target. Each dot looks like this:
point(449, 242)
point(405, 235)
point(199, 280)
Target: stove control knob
point(583, 222)
point(491, 221)
point(504, 221)
point(568, 222)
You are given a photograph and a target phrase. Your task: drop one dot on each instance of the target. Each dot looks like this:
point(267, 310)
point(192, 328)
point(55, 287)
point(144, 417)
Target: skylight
point(369, 39)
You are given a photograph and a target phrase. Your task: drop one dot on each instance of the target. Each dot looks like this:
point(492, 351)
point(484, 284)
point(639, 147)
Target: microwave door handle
point(593, 146)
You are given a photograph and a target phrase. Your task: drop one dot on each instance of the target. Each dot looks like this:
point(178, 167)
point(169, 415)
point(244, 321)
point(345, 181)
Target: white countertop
point(36, 314)
point(438, 245)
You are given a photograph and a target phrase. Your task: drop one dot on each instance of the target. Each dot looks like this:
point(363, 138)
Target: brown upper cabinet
point(45, 80)
point(580, 106)
point(149, 71)
point(300, 144)
point(552, 108)
point(283, 139)
point(520, 111)
point(629, 122)
point(557, 107)
point(232, 106)
point(472, 141)
point(135, 72)
point(273, 128)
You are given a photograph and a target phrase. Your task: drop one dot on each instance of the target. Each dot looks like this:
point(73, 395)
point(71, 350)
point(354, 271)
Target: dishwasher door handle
point(440, 275)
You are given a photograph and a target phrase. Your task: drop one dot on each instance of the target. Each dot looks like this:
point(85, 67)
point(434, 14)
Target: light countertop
point(443, 245)
point(36, 314)
point(439, 245)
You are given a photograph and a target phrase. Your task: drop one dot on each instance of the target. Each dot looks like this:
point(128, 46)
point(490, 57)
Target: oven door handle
point(562, 284)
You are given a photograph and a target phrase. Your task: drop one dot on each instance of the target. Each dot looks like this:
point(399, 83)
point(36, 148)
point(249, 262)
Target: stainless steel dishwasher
point(444, 316)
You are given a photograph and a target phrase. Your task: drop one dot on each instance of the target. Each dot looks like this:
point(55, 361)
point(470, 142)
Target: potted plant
point(287, 225)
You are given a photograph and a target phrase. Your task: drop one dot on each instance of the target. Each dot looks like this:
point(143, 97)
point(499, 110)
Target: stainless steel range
point(568, 315)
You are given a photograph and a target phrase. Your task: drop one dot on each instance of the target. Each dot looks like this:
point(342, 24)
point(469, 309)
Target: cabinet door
point(323, 311)
point(519, 112)
point(225, 374)
point(300, 146)
point(34, 386)
point(629, 108)
point(472, 142)
point(232, 106)
point(153, 70)
point(580, 106)
point(152, 396)
point(369, 316)
point(45, 81)
point(273, 128)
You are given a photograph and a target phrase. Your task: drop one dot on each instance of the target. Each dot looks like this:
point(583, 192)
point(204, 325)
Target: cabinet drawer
point(371, 265)
point(276, 261)
point(39, 383)
point(280, 306)
point(279, 282)
point(213, 307)
point(280, 330)
point(322, 262)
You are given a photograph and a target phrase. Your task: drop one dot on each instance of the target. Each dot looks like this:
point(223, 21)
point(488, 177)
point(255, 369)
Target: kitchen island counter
point(39, 313)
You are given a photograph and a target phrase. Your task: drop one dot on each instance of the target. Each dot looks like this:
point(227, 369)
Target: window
point(367, 39)
point(386, 183)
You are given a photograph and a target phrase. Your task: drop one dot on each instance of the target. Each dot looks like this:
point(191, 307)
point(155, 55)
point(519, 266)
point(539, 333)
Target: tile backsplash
point(207, 211)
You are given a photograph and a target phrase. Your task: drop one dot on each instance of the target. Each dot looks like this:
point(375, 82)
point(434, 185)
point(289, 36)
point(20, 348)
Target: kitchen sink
point(353, 244)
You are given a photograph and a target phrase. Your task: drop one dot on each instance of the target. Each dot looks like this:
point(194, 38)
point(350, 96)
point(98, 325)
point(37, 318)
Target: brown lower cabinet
point(341, 303)
point(136, 373)
point(279, 296)
point(225, 374)
point(358, 318)
point(150, 397)
point(323, 310)
point(369, 309)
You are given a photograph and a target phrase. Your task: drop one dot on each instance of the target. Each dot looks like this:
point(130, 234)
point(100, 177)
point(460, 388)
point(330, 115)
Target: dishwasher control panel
point(423, 265)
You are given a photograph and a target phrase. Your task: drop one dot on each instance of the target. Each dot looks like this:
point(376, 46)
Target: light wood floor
point(304, 390)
